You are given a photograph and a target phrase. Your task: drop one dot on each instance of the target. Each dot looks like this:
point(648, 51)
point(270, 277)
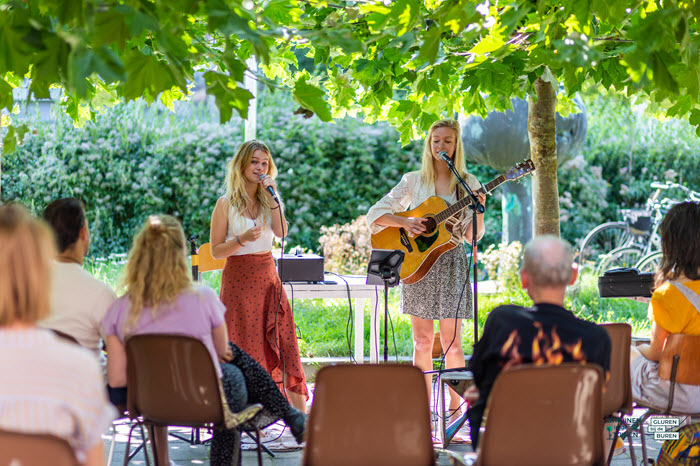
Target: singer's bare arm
point(413, 225)
point(220, 248)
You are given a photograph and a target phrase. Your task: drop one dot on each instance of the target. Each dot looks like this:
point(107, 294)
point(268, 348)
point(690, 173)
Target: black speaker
point(300, 267)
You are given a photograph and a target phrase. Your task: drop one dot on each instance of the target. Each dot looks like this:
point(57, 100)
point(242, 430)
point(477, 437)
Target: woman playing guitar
point(444, 293)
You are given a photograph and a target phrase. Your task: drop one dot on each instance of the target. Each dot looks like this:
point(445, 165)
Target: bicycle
point(643, 249)
point(637, 230)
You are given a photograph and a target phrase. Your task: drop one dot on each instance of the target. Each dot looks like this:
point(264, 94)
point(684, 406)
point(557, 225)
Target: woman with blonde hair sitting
point(48, 385)
point(161, 298)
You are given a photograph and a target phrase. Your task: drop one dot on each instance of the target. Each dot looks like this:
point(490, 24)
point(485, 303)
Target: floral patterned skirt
point(439, 294)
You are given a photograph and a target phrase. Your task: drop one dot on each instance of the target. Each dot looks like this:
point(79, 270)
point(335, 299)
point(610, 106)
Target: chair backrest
point(171, 380)
point(207, 262)
point(546, 414)
point(35, 450)
point(369, 414)
point(617, 392)
point(687, 347)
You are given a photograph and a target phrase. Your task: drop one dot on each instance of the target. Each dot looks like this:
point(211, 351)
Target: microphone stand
point(476, 207)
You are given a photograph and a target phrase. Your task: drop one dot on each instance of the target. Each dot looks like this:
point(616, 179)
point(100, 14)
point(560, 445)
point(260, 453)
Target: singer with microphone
point(444, 293)
point(258, 316)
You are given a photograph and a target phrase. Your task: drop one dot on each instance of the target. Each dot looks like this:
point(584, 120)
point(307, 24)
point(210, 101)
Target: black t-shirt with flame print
point(541, 334)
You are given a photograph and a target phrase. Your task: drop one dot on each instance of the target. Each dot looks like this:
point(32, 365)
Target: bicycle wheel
point(626, 256)
point(602, 239)
point(649, 263)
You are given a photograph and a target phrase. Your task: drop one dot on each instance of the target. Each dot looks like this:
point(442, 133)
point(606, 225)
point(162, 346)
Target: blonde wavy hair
point(428, 174)
point(157, 270)
point(236, 192)
point(28, 247)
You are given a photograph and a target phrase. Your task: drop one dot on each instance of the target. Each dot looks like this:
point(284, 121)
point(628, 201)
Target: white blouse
point(239, 224)
point(410, 193)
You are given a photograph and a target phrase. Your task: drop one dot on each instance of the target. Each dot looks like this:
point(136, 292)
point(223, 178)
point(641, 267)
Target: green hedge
point(133, 161)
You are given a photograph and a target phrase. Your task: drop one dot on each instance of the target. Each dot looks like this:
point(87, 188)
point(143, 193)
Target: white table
point(359, 293)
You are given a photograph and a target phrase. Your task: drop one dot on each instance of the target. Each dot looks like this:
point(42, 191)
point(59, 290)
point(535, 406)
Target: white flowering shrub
point(502, 264)
point(346, 248)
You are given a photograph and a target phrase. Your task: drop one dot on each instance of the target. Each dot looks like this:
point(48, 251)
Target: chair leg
point(110, 455)
point(614, 442)
point(159, 444)
point(257, 439)
point(128, 442)
point(645, 460)
point(629, 440)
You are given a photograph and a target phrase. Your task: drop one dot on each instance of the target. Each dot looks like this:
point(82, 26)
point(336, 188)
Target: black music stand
point(385, 268)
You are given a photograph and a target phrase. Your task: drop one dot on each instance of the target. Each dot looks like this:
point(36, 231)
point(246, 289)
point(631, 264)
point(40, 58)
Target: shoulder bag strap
point(689, 294)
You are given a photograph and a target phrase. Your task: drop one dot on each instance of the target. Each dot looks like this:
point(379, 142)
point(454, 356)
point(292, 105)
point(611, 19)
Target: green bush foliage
point(134, 161)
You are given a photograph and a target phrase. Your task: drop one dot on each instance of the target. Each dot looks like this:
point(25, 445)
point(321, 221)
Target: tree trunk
point(541, 126)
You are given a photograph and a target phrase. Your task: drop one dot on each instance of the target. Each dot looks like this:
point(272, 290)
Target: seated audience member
point(511, 331)
point(78, 300)
point(674, 308)
point(48, 386)
point(161, 298)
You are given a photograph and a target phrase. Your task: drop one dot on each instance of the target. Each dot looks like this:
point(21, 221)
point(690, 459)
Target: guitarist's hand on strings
point(482, 199)
point(414, 225)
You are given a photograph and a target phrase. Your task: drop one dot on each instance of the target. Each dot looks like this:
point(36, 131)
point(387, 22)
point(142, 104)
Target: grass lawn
point(324, 326)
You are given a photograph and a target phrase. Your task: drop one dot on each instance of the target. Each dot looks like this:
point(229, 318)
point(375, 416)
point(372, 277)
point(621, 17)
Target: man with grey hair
point(546, 333)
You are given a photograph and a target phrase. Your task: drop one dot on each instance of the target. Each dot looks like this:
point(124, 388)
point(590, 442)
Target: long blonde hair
point(27, 248)
point(156, 271)
point(236, 192)
point(428, 174)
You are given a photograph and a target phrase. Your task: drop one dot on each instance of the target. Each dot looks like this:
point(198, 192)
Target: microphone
point(270, 189)
point(443, 156)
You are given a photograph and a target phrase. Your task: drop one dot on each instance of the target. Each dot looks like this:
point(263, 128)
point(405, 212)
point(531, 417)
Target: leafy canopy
point(403, 61)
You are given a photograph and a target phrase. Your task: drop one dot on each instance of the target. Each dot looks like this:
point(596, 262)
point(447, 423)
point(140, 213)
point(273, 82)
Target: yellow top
point(672, 311)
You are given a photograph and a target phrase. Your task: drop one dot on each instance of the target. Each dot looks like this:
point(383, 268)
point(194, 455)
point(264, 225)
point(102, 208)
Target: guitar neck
point(460, 205)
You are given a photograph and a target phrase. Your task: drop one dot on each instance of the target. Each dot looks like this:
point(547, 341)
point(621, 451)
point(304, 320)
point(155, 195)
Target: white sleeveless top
point(239, 224)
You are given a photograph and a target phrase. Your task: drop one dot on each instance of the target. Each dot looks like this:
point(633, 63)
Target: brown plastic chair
point(35, 450)
point(369, 414)
point(617, 393)
point(172, 382)
point(544, 415)
point(679, 363)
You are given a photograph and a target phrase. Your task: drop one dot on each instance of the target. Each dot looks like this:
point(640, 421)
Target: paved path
point(288, 453)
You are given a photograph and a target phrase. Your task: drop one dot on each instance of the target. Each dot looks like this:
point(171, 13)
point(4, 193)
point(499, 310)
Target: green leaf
point(228, 95)
point(147, 76)
point(407, 12)
point(110, 27)
point(694, 117)
point(311, 98)
point(13, 138)
point(431, 44)
point(83, 62)
point(6, 100)
point(662, 77)
point(15, 53)
point(136, 20)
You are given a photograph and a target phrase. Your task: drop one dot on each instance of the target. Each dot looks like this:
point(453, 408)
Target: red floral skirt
point(259, 318)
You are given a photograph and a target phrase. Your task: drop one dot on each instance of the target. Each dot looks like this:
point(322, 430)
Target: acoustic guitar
point(422, 251)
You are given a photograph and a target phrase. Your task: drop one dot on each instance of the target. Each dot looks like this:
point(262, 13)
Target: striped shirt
point(49, 386)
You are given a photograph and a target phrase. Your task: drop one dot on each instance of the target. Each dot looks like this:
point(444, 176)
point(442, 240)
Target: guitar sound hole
point(430, 225)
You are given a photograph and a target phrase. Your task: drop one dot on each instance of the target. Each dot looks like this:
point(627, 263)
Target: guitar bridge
point(404, 240)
